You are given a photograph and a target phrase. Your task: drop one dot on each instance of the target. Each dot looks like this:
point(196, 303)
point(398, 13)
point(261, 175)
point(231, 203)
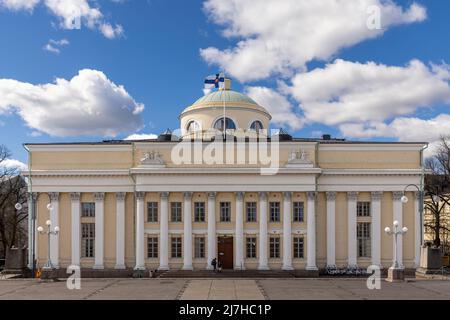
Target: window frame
point(298, 216)
point(276, 213)
point(299, 247)
point(88, 242)
point(251, 209)
point(199, 247)
point(152, 215)
point(363, 209)
point(152, 247)
point(199, 214)
point(275, 247)
point(225, 208)
point(176, 212)
point(364, 239)
point(90, 212)
point(251, 242)
point(176, 241)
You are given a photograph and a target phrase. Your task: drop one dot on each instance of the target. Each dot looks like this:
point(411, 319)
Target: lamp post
point(48, 266)
point(405, 200)
point(395, 272)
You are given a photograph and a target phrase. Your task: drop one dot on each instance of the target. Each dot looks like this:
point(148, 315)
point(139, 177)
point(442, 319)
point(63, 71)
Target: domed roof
point(231, 99)
point(224, 95)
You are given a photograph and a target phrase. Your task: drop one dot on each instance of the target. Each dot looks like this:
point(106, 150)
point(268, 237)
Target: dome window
point(218, 125)
point(193, 126)
point(256, 125)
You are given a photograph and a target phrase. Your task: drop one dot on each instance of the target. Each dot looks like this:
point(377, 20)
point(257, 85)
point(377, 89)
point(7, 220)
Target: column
point(54, 239)
point(140, 234)
point(287, 231)
point(212, 243)
point(331, 229)
point(31, 226)
point(187, 239)
point(120, 230)
point(75, 216)
point(398, 215)
point(263, 261)
point(164, 232)
point(417, 229)
point(239, 234)
point(311, 232)
point(352, 198)
point(376, 227)
point(99, 198)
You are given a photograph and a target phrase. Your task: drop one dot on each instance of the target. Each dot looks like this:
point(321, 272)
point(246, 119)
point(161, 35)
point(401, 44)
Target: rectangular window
point(251, 247)
point(274, 211)
point(251, 211)
point(199, 211)
point(88, 209)
point(299, 212)
point(176, 247)
point(364, 239)
point(175, 211)
point(199, 247)
point(299, 248)
point(363, 209)
point(87, 240)
point(152, 247)
point(274, 247)
point(225, 212)
point(152, 212)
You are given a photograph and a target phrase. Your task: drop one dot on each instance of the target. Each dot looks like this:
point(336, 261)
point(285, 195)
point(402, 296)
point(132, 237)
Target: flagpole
point(224, 108)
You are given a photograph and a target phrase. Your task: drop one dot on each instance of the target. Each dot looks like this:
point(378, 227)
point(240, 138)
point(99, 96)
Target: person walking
point(214, 264)
point(219, 266)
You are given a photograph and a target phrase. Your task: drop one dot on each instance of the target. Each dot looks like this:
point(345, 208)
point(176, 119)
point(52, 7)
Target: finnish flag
point(215, 81)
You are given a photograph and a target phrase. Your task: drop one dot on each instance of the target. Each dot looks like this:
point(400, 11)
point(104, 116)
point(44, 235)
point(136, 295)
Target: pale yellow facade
point(329, 178)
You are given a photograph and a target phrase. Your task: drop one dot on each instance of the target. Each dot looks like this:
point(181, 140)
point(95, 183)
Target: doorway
point(225, 251)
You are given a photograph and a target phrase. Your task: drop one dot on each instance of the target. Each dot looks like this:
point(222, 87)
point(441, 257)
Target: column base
point(287, 268)
point(239, 268)
point(312, 268)
point(263, 268)
point(98, 267)
point(209, 267)
point(163, 268)
point(188, 268)
point(120, 267)
point(395, 275)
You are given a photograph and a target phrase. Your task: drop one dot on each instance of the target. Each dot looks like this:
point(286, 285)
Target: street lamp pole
point(48, 266)
point(395, 272)
point(405, 200)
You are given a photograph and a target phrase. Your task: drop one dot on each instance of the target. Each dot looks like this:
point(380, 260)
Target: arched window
point(228, 122)
point(193, 126)
point(256, 125)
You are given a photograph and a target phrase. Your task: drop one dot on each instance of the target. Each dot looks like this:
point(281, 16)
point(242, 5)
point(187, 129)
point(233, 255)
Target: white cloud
point(17, 5)
point(143, 136)
point(347, 92)
point(278, 106)
point(280, 37)
point(72, 14)
point(404, 129)
point(13, 164)
point(87, 104)
point(54, 46)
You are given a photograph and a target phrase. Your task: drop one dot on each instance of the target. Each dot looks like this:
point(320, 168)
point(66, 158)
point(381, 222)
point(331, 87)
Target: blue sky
point(157, 59)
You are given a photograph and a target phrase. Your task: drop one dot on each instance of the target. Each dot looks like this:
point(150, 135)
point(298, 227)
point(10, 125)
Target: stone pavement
point(224, 289)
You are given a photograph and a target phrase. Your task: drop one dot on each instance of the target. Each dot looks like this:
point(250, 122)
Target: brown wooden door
point(225, 252)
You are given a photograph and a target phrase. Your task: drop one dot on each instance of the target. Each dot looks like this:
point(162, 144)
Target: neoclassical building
point(251, 198)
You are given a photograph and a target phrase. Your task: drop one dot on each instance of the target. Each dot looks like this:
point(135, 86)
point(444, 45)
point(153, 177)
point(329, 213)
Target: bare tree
point(13, 190)
point(437, 194)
